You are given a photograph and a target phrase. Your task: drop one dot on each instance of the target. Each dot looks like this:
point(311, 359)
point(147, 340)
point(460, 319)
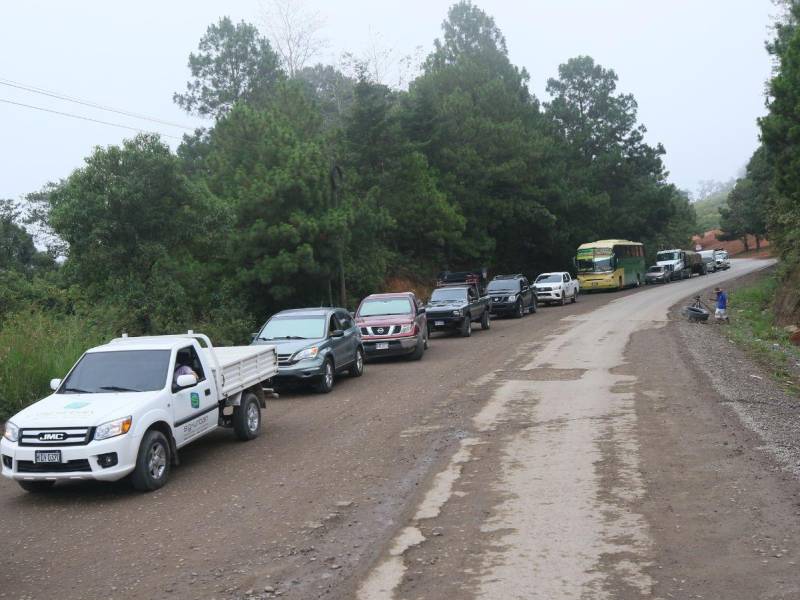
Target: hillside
point(707, 210)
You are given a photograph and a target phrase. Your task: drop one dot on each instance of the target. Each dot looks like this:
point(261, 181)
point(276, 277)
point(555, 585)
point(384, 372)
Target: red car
point(393, 325)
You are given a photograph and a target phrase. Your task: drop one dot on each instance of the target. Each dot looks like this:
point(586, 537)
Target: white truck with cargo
point(681, 263)
point(127, 407)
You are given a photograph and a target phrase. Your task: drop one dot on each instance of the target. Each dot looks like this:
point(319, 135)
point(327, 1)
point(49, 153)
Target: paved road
point(505, 465)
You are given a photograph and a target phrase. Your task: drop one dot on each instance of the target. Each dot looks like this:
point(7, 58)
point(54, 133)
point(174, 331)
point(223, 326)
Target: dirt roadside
point(718, 447)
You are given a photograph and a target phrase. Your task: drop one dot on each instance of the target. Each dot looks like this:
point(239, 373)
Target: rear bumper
point(22, 458)
point(394, 346)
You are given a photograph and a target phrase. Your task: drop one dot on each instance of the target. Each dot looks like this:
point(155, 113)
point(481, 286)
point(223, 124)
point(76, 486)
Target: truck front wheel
point(466, 326)
point(486, 319)
point(36, 487)
point(152, 462)
point(247, 417)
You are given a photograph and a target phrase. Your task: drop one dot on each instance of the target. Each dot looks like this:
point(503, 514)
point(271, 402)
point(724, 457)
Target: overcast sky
point(696, 67)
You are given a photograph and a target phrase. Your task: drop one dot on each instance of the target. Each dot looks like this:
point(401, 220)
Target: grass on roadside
point(36, 347)
point(752, 327)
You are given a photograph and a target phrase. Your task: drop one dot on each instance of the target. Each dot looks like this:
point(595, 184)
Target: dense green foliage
point(707, 208)
point(319, 188)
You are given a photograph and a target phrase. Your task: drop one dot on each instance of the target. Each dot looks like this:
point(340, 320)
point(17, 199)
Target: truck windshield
point(655, 269)
point(549, 278)
point(384, 306)
point(122, 371)
point(295, 327)
point(443, 294)
point(668, 256)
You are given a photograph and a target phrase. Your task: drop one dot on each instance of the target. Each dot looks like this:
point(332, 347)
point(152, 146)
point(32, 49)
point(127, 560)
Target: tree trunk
point(746, 244)
point(758, 242)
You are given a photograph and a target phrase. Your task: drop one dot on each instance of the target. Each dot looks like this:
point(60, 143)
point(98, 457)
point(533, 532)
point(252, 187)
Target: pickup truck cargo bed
point(242, 366)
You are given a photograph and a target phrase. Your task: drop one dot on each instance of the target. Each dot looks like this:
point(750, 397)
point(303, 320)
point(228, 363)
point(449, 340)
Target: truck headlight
point(11, 432)
point(113, 428)
point(407, 328)
point(511, 299)
point(307, 353)
point(456, 313)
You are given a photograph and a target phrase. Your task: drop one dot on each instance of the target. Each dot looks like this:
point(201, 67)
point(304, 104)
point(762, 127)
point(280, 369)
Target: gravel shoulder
point(719, 463)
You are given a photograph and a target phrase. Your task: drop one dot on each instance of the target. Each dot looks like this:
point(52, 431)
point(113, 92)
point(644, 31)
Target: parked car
point(657, 274)
point(127, 407)
point(681, 263)
point(556, 288)
point(723, 261)
point(459, 301)
point(511, 295)
point(314, 345)
point(393, 325)
point(710, 260)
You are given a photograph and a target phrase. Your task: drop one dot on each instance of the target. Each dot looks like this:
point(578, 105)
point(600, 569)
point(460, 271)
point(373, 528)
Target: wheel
point(535, 305)
point(419, 350)
point(153, 462)
point(574, 296)
point(563, 298)
point(357, 368)
point(466, 326)
point(519, 312)
point(486, 319)
point(325, 384)
point(247, 417)
point(36, 487)
point(427, 335)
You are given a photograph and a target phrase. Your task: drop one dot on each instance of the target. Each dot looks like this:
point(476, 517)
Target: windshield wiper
point(77, 390)
point(116, 388)
point(290, 337)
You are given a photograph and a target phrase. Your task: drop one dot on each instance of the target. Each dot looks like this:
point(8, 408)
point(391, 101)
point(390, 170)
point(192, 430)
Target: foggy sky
point(696, 67)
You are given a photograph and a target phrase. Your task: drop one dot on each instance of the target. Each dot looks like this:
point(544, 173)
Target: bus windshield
point(589, 263)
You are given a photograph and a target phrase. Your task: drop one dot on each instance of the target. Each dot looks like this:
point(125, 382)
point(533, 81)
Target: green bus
point(610, 265)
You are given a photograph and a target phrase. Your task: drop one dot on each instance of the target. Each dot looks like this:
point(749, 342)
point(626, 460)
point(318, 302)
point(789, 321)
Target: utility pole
point(336, 176)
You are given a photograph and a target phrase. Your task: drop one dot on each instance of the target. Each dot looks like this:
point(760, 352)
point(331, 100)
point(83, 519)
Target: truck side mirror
point(185, 381)
point(421, 310)
point(253, 336)
point(55, 384)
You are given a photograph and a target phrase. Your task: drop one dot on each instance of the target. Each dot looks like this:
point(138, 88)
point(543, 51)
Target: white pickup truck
point(126, 408)
point(557, 287)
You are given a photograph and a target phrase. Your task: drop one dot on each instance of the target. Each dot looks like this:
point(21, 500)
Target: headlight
point(512, 298)
point(307, 353)
point(11, 432)
point(407, 328)
point(113, 428)
point(456, 313)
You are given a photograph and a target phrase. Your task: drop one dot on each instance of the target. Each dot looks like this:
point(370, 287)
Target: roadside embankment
point(752, 365)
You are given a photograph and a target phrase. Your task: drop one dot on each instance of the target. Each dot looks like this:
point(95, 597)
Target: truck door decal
point(195, 415)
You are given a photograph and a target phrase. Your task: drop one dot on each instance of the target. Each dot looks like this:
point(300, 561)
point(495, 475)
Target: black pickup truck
point(458, 301)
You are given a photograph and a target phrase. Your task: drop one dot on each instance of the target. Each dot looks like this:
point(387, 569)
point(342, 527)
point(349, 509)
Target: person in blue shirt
point(721, 314)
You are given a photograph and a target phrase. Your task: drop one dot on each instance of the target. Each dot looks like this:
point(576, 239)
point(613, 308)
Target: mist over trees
point(315, 186)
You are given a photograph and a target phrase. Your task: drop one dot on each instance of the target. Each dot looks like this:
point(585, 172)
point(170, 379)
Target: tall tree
point(295, 32)
point(472, 115)
point(17, 250)
point(234, 63)
point(780, 133)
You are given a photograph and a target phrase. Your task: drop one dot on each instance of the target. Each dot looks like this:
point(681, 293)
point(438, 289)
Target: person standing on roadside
point(721, 314)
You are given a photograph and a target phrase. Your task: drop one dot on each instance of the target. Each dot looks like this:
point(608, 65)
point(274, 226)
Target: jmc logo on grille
point(52, 437)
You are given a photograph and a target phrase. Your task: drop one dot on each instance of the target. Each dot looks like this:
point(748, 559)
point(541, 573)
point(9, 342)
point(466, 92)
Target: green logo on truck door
point(195, 400)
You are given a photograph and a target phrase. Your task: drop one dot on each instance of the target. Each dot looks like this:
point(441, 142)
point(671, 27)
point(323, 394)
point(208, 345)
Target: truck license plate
point(382, 346)
point(438, 323)
point(47, 456)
